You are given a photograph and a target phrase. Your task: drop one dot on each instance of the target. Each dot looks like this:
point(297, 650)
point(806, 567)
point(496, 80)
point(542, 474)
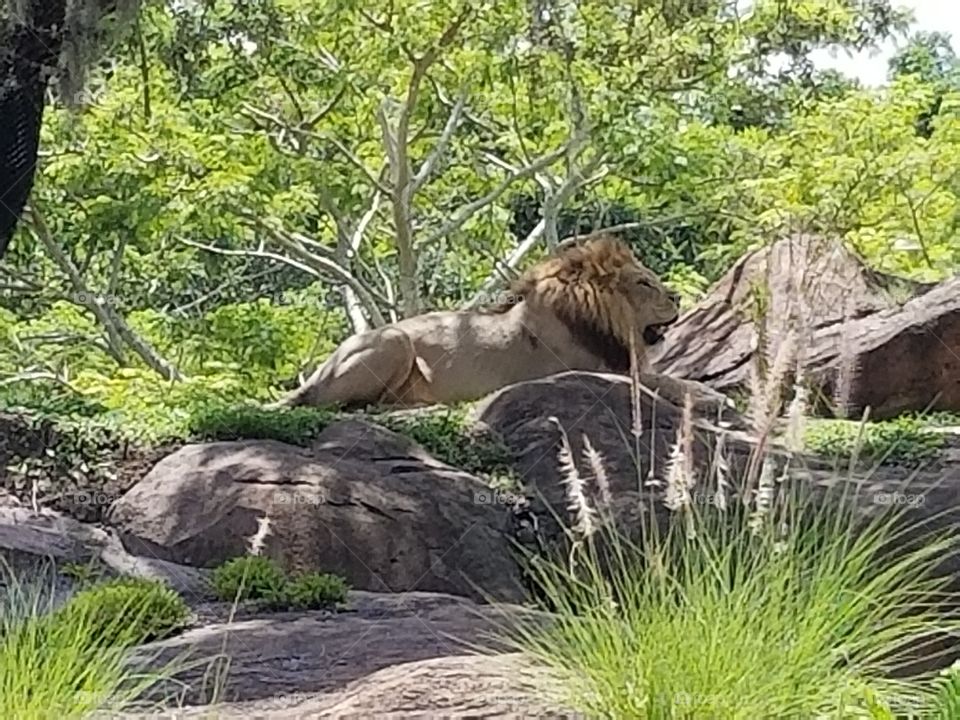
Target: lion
point(576, 310)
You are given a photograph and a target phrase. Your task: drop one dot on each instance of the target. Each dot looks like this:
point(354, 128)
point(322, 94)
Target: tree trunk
point(29, 53)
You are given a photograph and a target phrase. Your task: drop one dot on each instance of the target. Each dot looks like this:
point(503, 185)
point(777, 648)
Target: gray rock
point(363, 502)
point(403, 655)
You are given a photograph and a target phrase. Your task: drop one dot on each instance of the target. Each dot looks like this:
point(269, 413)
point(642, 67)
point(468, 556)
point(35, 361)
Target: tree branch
point(465, 212)
point(118, 332)
point(319, 267)
point(430, 164)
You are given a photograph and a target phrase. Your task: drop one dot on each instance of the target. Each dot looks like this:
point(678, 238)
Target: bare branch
point(357, 162)
point(83, 296)
point(319, 267)
point(33, 375)
point(118, 332)
point(465, 212)
point(311, 123)
point(429, 165)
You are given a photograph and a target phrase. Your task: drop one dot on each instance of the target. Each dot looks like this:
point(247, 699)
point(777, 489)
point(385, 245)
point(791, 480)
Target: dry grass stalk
point(585, 516)
point(594, 461)
point(680, 477)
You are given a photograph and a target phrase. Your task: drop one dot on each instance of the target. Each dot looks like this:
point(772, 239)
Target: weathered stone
point(363, 502)
point(386, 654)
point(34, 543)
point(874, 340)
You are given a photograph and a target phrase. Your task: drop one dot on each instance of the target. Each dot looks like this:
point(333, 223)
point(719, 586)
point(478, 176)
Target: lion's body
point(445, 357)
point(578, 310)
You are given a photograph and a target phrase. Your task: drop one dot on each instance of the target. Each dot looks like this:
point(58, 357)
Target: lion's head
point(602, 292)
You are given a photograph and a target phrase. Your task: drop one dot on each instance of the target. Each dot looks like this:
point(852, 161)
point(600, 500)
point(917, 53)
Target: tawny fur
point(573, 311)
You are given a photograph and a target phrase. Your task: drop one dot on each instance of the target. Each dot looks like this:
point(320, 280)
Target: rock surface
point(874, 340)
point(33, 543)
point(598, 407)
point(363, 502)
point(500, 687)
point(405, 655)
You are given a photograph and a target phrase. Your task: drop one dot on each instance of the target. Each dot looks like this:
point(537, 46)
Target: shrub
point(446, 434)
point(251, 577)
point(721, 619)
point(296, 426)
point(126, 611)
point(906, 440)
point(311, 591)
point(62, 664)
point(83, 574)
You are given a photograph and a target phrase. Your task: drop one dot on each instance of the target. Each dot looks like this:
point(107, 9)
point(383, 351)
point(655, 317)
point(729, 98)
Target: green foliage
point(296, 426)
point(255, 577)
point(64, 663)
point(126, 611)
point(906, 440)
point(83, 574)
point(448, 435)
point(799, 616)
point(250, 577)
point(311, 591)
point(946, 703)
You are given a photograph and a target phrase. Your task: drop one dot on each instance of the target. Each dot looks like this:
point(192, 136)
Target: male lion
point(573, 311)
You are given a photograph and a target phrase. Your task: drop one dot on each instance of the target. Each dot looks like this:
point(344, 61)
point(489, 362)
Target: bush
point(296, 426)
point(126, 611)
point(312, 591)
point(906, 440)
point(251, 577)
point(446, 434)
point(261, 579)
point(719, 619)
point(61, 663)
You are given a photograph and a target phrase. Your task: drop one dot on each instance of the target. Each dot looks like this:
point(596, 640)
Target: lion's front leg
point(706, 400)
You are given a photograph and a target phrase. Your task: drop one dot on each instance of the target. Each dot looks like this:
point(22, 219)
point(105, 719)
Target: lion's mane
point(581, 284)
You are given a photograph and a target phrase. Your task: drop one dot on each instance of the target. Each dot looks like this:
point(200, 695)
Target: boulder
point(598, 407)
point(417, 654)
point(33, 544)
point(869, 339)
point(363, 502)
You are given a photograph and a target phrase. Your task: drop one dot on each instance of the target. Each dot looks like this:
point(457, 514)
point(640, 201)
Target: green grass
point(248, 577)
point(716, 621)
point(68, 662)
point(259, 578)
point(905, 440)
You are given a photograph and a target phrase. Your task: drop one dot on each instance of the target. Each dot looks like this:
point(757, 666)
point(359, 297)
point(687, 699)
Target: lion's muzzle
point(652, 334)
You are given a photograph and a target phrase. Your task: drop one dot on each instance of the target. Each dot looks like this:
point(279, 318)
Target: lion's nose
point(675, 298)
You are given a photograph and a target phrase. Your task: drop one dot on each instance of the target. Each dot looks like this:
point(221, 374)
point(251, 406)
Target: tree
point(931, 58)
point(38, 39)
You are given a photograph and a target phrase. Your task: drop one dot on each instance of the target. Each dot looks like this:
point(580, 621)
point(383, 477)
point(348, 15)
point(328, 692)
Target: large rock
point(362, 502)
point(598, 407)
point(408, 654)
point(874, 340)
point(33, 544)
